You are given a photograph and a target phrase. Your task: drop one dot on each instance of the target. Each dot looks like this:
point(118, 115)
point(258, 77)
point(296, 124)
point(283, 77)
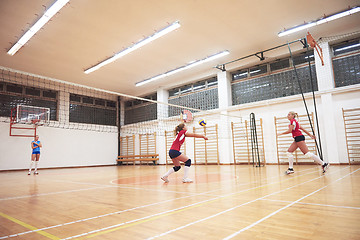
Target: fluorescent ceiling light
point(319, 21)
point(255, 71)
point(242, 74)
point(182, 68)
point(347, 47)
point(135, 46)
point(38, 25)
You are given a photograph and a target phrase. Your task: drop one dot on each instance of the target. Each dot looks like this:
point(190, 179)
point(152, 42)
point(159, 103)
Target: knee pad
point(176, 168)
point(309, 155)
point(188, 163)
point(289, 154)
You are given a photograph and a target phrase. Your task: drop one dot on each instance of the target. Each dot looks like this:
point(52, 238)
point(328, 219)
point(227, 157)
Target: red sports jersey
point(178, 141)
point(296, 132)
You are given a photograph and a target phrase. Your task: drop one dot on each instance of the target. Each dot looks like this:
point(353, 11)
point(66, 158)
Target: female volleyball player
point(299, 142)
point(175, 154)
point(35, 156)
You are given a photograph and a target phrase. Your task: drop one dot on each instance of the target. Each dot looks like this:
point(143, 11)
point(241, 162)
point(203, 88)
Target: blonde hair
point(294, 114)
point(179, 128)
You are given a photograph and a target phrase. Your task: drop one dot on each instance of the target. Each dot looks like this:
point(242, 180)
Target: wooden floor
point(224, 202)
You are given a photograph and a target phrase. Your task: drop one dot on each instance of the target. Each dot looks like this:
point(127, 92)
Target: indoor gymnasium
point(193, 119)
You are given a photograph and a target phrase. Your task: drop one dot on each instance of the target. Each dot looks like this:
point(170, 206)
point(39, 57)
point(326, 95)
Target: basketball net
point(311, 41)
point(35, 121)
point(186, 116)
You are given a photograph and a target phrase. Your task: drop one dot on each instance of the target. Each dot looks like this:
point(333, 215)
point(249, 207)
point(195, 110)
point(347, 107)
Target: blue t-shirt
point(37, 149)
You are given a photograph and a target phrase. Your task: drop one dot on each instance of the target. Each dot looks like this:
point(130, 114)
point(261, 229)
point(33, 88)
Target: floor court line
point(109, 214)
point(289, 205)
point(230, 209)
point(180, 209)
point(314, 204)
point(95, 217)
point(161, 190)
point(28, 226)
point(118, 186)
point(46, 194)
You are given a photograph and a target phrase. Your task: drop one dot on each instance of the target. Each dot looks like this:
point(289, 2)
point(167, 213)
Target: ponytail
point(294, 114)
point(179, 128)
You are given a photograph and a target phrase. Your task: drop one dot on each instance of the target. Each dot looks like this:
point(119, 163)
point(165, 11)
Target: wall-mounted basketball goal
point(24, 120)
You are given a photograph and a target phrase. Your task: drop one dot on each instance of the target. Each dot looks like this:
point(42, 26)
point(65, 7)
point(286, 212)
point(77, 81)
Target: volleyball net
point(73, 106)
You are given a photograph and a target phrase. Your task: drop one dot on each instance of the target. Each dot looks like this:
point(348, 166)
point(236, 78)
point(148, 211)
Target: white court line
point(125, 187)
point(174, 210)
point(45, 194)
point(289, 205)
point(87, 219)
point(109, 214)
point(230, 209)
point(314, 204)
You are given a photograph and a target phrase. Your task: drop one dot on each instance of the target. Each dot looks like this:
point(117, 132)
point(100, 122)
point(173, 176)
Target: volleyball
point(202, 122)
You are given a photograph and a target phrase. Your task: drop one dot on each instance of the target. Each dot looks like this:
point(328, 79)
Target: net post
point(304, 101)
point(312, 89)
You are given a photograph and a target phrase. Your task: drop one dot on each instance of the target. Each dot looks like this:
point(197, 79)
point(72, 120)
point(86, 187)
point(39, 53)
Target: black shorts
point(174, 153)
point(299, 138)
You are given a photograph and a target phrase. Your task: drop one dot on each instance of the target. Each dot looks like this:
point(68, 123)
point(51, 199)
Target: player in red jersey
point(299, 142)
point(175, 154)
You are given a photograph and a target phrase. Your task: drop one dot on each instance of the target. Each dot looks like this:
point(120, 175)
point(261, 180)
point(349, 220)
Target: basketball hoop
point(27, 115)
point(311, 41)
point(186, 116)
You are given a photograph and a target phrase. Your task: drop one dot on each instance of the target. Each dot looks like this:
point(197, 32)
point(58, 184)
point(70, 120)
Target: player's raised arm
point(189, 134)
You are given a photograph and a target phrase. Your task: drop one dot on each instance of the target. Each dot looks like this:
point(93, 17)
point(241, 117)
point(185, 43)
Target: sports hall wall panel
point(66, 142)
point(61, 148)
point(348, 100)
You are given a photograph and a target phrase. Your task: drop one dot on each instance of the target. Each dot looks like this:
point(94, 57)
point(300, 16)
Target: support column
point(162, 109)
point(162, 113)
point(225, 101)
point(324, 74)
point(224, 89)
point(122, 113)
point(64, 113)
point(325, 78)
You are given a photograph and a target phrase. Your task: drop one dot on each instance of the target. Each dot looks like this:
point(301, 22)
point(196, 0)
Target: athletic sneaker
point(325, 167)
point(187, 180)
point(165, 179)
point(36, 173)
point(289, 171)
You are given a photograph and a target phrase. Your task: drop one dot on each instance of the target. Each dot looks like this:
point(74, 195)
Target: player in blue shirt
point(35, 156)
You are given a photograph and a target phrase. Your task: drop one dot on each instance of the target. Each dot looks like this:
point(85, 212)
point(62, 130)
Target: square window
point(100, 102)
point(111, 104)
point(32, 91)
point(258, 70)
point(75, 98)
point(49, 94)
point(240, 74)
point(88, 100)
point(14, 88)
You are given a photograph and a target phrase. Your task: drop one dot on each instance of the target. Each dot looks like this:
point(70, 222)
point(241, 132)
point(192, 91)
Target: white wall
point(345, 97)
point(61, 148)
